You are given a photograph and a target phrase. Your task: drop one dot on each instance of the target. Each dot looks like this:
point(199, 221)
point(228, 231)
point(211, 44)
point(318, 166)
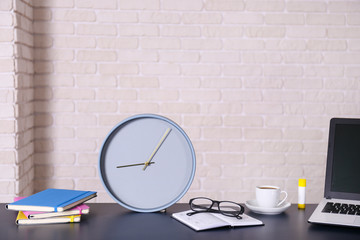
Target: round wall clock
point(147, 163)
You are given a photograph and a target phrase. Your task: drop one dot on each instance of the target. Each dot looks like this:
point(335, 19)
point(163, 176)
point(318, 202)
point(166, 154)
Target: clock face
point(147, 163)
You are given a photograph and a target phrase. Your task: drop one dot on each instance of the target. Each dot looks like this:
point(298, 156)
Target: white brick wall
point(8, 179)
point(17, 114)
point(253, 83)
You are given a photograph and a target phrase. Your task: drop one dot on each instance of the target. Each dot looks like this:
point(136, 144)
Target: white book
point(204, 221)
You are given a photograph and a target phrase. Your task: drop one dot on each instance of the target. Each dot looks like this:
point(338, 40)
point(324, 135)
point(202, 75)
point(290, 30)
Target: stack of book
point(51, 206)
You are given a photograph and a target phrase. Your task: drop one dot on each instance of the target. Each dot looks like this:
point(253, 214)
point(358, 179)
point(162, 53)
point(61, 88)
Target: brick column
point(16, 99)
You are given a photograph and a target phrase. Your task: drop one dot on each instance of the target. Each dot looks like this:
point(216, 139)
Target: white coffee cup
point(269, 196)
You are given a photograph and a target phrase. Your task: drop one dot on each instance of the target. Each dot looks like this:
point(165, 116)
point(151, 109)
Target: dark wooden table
point(111, 221)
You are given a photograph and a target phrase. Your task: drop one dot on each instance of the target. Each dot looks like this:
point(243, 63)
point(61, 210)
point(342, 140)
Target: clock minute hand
point(148, 162)
point(133, 165)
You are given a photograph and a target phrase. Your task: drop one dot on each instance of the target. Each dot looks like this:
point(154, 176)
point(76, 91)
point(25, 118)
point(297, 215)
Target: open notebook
point(341, 202)
point(207, 220)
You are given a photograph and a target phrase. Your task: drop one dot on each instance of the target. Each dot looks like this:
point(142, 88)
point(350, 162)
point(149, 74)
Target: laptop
point(341, 202)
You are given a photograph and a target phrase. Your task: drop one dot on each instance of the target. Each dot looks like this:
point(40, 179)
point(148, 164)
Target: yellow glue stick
point(301, 193)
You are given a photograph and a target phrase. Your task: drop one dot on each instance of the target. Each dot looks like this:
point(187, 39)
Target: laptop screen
point(343, 163)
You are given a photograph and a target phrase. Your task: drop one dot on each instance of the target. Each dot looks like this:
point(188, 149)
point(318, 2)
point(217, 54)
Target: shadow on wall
point(47, 157)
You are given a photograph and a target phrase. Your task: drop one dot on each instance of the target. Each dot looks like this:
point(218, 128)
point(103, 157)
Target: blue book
point(52, 200)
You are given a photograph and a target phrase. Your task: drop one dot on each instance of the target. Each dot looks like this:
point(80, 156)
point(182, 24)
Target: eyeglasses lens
point(229, 208)
point(201, 204)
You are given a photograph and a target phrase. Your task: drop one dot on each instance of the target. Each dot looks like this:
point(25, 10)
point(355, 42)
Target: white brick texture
point(253, 83)
point(17, 110)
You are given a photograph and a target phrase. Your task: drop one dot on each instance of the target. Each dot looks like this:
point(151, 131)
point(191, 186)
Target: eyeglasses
point(227, 208)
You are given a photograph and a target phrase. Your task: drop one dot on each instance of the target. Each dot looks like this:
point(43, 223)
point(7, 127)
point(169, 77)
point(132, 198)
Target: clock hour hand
point(148, 162)
point(133, 165)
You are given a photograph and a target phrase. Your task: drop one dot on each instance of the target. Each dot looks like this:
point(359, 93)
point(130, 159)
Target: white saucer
point(253, 206)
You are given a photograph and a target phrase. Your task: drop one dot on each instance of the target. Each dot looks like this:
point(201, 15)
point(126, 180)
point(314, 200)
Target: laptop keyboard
point(341, 208)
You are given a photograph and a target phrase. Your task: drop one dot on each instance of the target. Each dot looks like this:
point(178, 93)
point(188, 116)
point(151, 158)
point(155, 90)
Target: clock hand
point(148, 162)
point(132, 165)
